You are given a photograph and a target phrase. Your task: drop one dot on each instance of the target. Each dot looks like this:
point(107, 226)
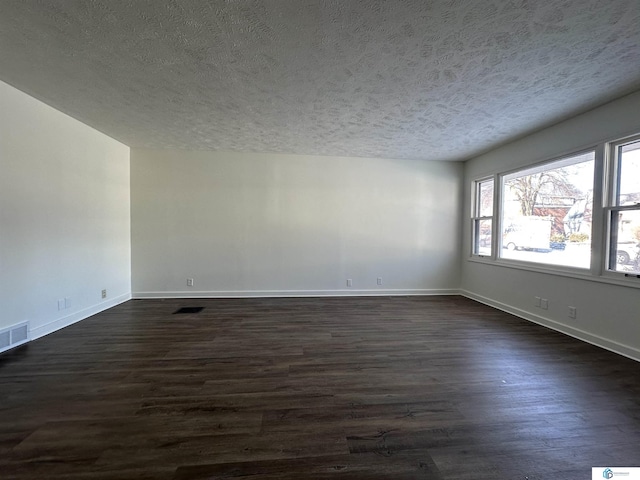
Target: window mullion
point(598, 214)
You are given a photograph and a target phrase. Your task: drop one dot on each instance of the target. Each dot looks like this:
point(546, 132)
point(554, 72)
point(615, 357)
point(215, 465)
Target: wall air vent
point(13, 336)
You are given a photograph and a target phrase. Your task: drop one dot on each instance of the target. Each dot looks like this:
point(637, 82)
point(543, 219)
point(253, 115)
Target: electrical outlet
point(67, 302)
point(104, 293)
point(189, 282)
point(379, 280)
point(537, 301)
point(544, 303)
point(573, 312)
point(61, 304)
point(349, 282)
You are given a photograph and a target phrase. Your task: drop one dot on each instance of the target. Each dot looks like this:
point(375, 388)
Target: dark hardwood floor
point(335, 388)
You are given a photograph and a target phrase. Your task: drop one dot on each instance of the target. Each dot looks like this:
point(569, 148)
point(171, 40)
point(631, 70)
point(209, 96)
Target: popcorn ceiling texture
point(433, 80)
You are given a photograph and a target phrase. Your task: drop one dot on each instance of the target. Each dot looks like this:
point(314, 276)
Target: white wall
point(64, 216)
point(255, 224)
point(608, 315)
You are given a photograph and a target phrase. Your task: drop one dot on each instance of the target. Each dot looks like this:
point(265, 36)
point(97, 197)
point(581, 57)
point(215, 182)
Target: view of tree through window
point(546, 212)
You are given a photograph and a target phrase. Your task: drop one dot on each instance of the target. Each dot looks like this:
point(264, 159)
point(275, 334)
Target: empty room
point(290, 239)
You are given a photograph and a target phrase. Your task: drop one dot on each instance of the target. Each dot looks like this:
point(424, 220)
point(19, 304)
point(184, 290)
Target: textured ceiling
point(434, 80)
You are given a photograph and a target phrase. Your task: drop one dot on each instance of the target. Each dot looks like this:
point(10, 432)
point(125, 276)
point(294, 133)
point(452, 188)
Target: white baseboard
point(602, 342)
point(295, 293)
point(76, 317)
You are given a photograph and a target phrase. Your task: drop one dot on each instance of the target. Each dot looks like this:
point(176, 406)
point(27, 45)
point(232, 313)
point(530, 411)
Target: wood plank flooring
point(333, 388)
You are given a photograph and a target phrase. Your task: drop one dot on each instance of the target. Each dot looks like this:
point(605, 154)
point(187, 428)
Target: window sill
point(608, 277)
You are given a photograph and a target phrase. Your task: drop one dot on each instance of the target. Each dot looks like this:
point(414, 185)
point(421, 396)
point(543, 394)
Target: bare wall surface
point(251, 224)
point(608, 315)
point(64, 216)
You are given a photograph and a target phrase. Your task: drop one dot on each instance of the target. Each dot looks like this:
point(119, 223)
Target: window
point(546, 212)
point(623, 209)
point(578, 215)
point(483, 217)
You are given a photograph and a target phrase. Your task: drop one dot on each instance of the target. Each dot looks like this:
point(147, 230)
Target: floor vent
point(13, 336)
point(188, 310)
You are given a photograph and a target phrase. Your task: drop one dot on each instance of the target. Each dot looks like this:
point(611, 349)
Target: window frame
point(562, 160)
point(477, 217)
point(606, 171)
point(611, 206)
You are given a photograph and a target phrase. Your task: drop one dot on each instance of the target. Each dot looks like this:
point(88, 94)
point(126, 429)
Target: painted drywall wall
point(608, 315)
point(261, 225)
point(64, 216)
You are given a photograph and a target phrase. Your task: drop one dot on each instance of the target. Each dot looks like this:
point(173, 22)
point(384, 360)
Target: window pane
point(482, 237)
point(625, 251)
point(629, 174)
point(546, 213)
point(485, 199)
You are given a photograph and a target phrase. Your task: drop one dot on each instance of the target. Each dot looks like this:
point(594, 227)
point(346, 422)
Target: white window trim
point(475, 218)
point(605, 175)
point(609, 205)
point(563, 160)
